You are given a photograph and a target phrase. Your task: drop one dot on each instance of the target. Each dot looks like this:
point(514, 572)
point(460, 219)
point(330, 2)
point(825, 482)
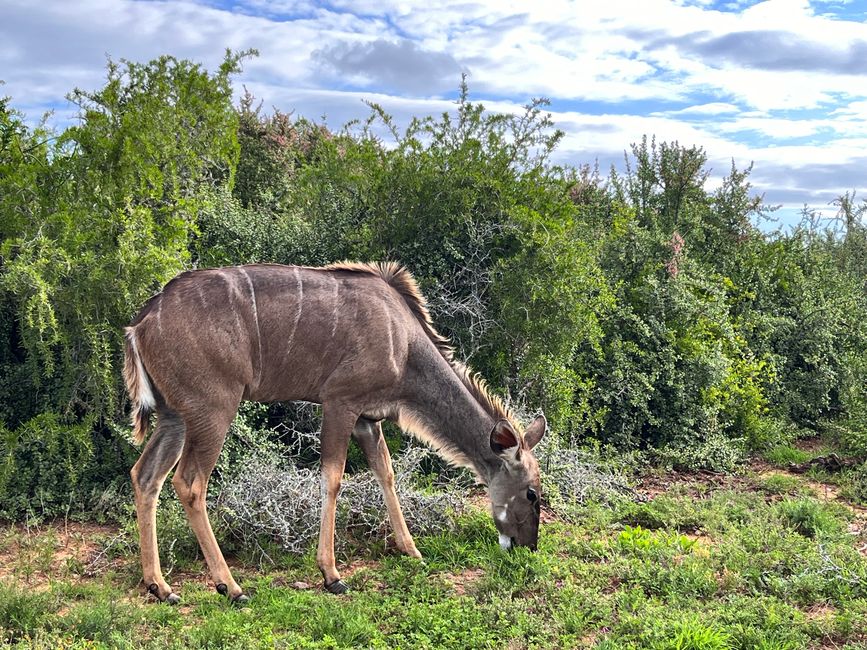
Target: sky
point(780, 84)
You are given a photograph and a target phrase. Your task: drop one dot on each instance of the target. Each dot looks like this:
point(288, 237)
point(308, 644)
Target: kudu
point(355, 338)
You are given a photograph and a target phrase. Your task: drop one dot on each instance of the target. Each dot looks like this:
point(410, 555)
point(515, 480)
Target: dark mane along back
point(400, 279)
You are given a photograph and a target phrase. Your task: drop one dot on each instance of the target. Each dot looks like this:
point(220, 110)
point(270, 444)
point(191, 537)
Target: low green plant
point(785, 455)
point(106, 621)
point(693, 634)
point(23, 612)
point(781, 484)
point(808, 517)
point(662, 512)
point(640, 540)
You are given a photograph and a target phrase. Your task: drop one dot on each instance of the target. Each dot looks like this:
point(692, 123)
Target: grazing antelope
point(355, 338)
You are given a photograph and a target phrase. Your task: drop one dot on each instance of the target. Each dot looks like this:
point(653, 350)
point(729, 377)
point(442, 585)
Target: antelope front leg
point(369, 436)
point(336, 429)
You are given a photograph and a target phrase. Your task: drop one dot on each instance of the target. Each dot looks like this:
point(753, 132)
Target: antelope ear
point(504, 439)
point(533, 433)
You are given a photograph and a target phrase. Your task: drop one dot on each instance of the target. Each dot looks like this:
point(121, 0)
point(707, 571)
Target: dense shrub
point(639, 311)
point(94, 221)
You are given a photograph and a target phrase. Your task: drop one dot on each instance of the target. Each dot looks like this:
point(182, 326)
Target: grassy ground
point(765, 559)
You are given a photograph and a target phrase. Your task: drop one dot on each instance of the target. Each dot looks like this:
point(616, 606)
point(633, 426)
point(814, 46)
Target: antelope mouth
point(507, 543)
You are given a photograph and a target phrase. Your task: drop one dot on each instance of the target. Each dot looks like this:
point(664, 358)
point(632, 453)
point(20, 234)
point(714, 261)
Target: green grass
point(784, 455)
point(782, 484)
point(762, 567)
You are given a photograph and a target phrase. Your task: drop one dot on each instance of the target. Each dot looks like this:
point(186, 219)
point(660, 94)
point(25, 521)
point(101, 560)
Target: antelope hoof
point(337, 587)
point(240, 600)
point(171, 598)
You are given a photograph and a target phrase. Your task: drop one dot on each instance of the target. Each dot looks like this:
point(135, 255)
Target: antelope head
point(514, 488)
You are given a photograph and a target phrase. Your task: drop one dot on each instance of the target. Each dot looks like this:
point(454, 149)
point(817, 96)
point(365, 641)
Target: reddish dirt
point(811, 445)
point(34, 555)
point(697, 484)
point(464, 581)
point(477, 500)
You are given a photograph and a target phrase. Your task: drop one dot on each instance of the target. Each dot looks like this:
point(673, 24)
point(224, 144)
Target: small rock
point(300, 585)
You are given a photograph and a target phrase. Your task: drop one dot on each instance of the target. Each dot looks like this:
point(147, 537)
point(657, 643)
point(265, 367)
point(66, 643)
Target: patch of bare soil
point(463, 581)
point(819, 611)
point(477, 500)
point(813, 445)
point(702, 541)
point(695, 484)
point(358, 565)
point(34, 555)
point(826, 492)
point(589, 640)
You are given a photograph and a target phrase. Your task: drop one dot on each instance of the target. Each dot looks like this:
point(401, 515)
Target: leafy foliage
point(639, 310)
point(38, 456)
point(99, 217)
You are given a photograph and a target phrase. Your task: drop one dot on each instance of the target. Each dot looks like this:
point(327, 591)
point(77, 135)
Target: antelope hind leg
point(148, 475)
point(203, 445)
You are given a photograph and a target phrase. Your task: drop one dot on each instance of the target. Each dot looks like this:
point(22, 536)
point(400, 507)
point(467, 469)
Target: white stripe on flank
point(391, 351)
point(297, 315)
point(145, 395)
point(202, 300)
point(232, 290)
point(159, 313)
point(335, 314)
point(256, 318)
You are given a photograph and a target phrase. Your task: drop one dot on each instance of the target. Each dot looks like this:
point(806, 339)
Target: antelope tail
point(139, 388)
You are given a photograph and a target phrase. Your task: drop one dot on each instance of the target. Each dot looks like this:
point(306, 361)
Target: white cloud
point(853, 111)
point(713, 108)
point(775, 72)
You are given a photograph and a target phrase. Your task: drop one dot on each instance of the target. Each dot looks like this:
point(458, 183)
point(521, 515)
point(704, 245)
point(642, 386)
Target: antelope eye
point(531, 495)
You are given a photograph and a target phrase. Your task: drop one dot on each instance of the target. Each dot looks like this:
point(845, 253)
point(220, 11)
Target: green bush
point(110, 206)
point(807, 517)
point(44, 463)
point(640, 311)
point(716, 453)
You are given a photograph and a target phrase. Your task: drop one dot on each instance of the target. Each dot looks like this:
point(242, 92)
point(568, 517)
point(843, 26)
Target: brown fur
point(356, 338)
point(400, 279)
